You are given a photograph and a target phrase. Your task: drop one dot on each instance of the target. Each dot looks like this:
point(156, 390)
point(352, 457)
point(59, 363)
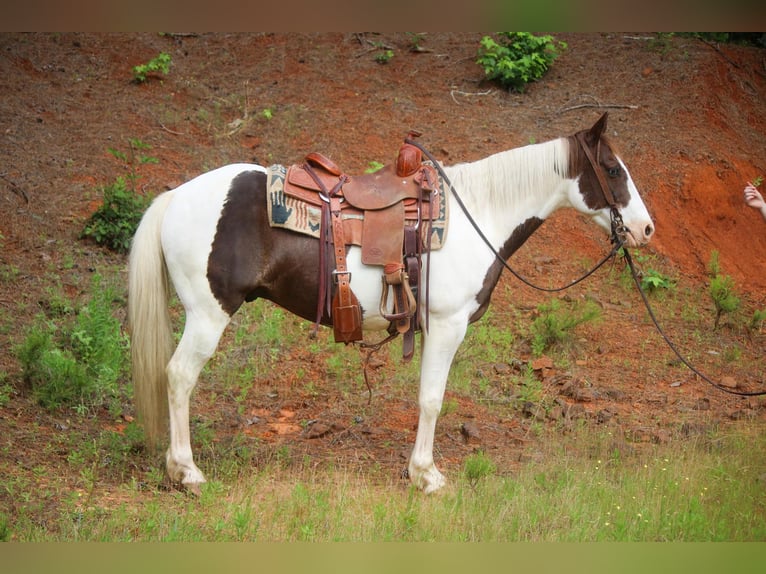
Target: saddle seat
point(382, 202)
point(388, 214)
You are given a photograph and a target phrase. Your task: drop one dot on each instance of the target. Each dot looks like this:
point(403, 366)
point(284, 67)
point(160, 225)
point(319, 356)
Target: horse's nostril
point(648, 231)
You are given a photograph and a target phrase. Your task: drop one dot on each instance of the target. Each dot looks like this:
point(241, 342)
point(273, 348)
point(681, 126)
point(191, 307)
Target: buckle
point(335, 274)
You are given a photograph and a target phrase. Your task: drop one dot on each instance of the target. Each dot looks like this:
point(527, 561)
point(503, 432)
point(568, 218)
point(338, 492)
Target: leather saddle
point(388, 214)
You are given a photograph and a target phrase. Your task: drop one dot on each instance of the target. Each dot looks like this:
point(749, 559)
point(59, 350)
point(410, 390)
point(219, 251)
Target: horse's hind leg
point(200, 338)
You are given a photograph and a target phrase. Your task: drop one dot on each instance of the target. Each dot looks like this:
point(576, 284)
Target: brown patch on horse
point(516, 240)
point(604, 151)
point(249, 259)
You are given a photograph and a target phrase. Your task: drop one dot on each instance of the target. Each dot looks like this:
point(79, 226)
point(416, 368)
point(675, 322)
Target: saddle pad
point(302, 217)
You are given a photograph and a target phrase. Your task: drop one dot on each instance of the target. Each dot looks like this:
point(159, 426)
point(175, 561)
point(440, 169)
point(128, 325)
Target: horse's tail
point(151, 335)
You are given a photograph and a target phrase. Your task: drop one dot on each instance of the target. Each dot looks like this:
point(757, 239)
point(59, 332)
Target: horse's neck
point(506, 189)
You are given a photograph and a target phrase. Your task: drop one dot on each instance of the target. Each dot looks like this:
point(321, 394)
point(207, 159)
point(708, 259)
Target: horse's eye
point(613, 171)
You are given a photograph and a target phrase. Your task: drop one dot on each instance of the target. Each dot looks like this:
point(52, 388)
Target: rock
point(469, 431)
point(729, 382)
point(542, 363)
point(502, 368)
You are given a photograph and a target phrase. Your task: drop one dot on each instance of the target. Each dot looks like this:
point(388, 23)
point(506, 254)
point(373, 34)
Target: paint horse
point(212, 239)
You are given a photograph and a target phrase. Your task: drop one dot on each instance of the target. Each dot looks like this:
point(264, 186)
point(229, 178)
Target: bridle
point(618, 238)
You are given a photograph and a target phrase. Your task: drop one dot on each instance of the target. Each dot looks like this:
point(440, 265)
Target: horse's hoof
point(194, 488)
point(429, 481)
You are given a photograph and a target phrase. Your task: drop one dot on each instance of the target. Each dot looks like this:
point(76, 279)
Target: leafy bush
point(518, 58)
point(555, 324)
point(80, 363)
point(161, 63)
point(114, 223)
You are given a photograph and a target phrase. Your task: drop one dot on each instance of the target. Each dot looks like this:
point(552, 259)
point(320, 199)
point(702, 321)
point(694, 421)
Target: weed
point(80, 362)
point(555, 324)
point(477, 467)
point(415, 41)
point(757, 320)
point(5, 530)
point(159, 64)
point(722, 290)
point(724, 297)
point(267, 113)
point(114, 223)
point(518, 59)
point(5, 391)
point(9, 273)
point(384, 56)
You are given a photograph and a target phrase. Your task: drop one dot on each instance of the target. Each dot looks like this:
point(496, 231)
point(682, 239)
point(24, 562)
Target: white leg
point(199, 341)
point(439, 348)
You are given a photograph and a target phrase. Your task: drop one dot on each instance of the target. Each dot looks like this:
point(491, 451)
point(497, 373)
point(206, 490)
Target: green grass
point(705, 490)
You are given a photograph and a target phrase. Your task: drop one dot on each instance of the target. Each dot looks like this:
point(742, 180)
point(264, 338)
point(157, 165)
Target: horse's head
point(604, 186)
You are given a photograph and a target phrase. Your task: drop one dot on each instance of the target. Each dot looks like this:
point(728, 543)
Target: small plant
point(555, 324)
point(724, 297)
point(478, 466)
point(77, 363)
point(159, 64)
point(757, 320)
point(721, 290)
point(758, 181)
point(384, 56)
point(114, 223)
point(518, 58)
point(651, 279)
point(415, 40)
point(267, 113)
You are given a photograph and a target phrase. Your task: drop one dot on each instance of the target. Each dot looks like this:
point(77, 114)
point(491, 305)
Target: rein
point(670, 344)
point(618, 238)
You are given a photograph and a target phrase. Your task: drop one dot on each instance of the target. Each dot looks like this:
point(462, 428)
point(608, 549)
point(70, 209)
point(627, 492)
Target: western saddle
point(388, 213)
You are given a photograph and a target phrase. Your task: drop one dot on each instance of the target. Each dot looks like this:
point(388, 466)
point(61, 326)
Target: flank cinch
point(389, 214)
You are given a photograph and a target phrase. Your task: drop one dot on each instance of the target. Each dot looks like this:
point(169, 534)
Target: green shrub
point(555, 324)
point(724, 296)
point(159, 64)
point(517, 58)
point(114, 223)
point(79, 363)
point(478, 466)
point(721, 290)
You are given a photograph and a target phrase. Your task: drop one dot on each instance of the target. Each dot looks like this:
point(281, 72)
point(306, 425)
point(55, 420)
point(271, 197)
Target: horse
point(211, 239)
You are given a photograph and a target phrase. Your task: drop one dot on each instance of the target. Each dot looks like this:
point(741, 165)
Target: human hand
point(753, 197)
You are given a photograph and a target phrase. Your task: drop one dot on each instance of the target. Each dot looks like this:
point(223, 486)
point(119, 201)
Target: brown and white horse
point(211, 237)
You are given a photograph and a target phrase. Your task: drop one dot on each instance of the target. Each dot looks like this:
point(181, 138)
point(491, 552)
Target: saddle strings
point(617, 240)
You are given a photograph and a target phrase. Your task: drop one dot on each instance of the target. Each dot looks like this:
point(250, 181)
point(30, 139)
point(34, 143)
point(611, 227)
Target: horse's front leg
point(439, 347)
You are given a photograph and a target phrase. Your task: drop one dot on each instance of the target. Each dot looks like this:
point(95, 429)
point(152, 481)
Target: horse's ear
point(594, 133)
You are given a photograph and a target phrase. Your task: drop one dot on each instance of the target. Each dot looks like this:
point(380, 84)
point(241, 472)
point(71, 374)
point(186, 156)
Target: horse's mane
point(506, 178)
